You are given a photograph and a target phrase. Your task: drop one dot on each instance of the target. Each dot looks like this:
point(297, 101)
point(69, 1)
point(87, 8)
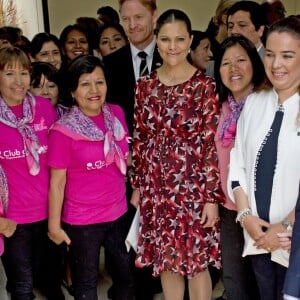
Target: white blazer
point(253, 125)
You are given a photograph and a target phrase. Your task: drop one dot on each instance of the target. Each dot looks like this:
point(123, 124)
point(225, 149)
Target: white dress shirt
point(136, 60)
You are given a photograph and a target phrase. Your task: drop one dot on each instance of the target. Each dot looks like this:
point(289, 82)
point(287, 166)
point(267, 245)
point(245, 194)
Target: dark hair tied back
point(171, 16)
point(84, 64)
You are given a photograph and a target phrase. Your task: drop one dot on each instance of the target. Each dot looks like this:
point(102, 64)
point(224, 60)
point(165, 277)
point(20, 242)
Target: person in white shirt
point(264, 164)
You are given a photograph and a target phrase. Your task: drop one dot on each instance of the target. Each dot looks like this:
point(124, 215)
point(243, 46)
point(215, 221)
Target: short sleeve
point(59, 150)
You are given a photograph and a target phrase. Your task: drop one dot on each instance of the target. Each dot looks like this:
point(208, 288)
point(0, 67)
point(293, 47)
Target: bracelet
point(287, 225)
point(243, 218)
point(242, 214)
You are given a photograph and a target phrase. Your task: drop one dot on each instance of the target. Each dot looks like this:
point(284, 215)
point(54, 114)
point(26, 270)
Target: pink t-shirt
point(1, 235)
point(94, 192)
point(28, 195)
point(224, 156)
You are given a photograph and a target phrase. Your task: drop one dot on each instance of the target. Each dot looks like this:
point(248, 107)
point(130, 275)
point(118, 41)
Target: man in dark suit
point(138, 19)
point(123, 68)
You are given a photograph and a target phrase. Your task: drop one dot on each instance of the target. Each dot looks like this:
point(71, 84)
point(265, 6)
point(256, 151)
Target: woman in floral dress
point(176, 178)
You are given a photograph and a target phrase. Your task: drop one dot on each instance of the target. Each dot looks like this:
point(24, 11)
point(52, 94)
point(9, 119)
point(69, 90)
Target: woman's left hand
point(210, 215)
point(270, 241)
point(285, 240)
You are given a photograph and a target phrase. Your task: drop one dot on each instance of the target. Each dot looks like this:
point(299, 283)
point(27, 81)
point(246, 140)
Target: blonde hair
point(149, 4)
point(222, 9)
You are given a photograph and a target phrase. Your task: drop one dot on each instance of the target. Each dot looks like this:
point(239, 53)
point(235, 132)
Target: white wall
point(30, 16)
point(65, 12)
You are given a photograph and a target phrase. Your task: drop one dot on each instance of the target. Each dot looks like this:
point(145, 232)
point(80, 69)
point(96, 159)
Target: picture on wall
point(28, 15)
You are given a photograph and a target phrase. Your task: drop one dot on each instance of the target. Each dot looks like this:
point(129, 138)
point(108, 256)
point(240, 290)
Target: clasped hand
point(263, 233)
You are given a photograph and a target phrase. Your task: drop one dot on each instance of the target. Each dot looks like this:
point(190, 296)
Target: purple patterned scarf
point(3, 193)
point(3, 203)
point(32, 145)
point(80, 127)
point(228, 130)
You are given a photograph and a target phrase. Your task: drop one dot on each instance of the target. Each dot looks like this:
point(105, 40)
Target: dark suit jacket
point(292, 279)
point(121, 81)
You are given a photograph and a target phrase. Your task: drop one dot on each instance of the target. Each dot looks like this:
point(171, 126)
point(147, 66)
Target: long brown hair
point(289, 25)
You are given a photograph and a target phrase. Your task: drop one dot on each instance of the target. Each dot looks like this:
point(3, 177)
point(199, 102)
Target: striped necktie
point(143, 66)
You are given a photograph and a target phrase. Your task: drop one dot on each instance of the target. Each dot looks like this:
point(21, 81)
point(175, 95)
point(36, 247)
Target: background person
point(45, 82)
point(45, 47)
point(111, 38)
point(200, 53)
point(91, 27)
point(107, 14)
point(246, 18)
point(44, 78)
point(74, 42)
point(239, 72)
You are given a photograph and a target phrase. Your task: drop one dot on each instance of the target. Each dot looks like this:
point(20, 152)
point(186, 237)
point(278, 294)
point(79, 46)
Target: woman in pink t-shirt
point(24, 124)
point(238, 72)
point(88, 152)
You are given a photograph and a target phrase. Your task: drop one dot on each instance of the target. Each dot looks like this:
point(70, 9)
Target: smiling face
point(47, 89)
point(202, 55)
point(76, 44)
point(49, 53)
point(14, 83)
point(138, 22)
point(173, 42)
point(282, 61)
point(90, 93)
point(236, 71)
point(111, 40)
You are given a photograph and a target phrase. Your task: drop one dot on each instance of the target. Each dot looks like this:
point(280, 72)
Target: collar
point(149, 49)
point(289, 102)
point(259, 47)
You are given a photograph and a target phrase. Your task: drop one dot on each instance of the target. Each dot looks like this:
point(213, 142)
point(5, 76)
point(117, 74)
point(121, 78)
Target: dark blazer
point(121, 81)
point(292, 279)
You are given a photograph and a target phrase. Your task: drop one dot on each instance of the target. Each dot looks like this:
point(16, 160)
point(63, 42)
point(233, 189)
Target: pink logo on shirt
point(41, 126)
point(95, 166)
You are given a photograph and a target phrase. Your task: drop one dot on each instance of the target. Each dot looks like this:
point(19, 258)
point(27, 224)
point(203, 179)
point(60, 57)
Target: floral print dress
point(175, 169)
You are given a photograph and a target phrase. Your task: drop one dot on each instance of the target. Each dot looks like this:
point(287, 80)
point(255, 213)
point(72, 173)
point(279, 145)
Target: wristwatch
point(287, 224)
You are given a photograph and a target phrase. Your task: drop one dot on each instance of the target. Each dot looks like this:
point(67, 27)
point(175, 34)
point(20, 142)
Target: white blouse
point(253, 125)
